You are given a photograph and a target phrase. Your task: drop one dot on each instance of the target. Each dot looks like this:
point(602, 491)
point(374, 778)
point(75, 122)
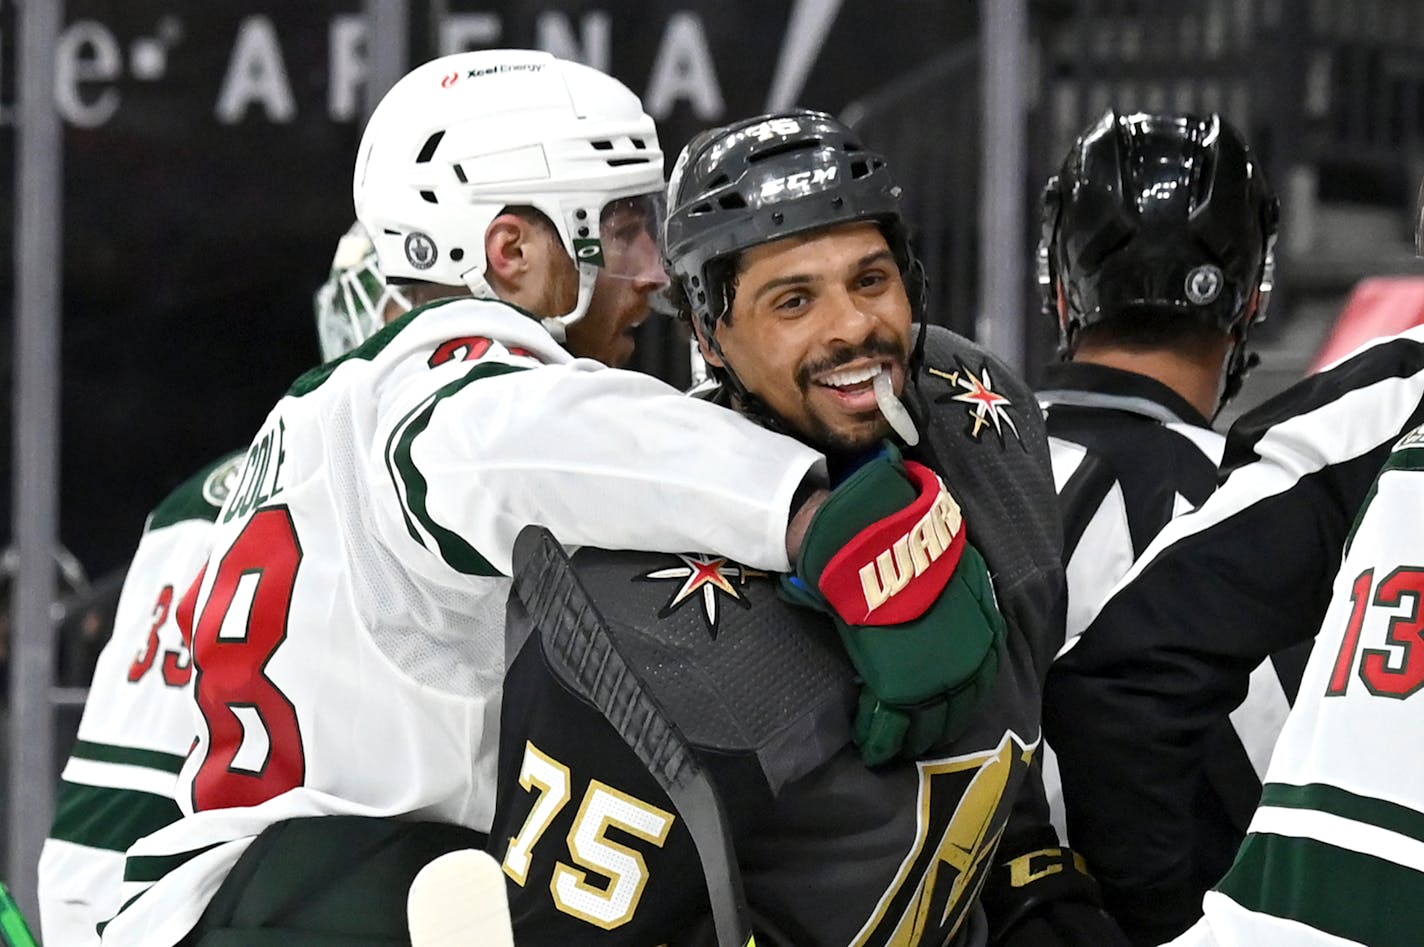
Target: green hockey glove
point(887, 557)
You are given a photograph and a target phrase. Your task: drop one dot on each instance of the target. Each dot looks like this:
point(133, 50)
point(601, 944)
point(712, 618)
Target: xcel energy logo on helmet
point(1204, 284)
point(451, 78)
point(420, 250)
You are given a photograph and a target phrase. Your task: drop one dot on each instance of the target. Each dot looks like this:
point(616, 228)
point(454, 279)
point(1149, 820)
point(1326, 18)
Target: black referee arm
point(1170, 655)
point(1127, 710)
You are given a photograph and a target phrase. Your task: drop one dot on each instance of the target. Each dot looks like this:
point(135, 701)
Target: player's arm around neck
point(476, 451)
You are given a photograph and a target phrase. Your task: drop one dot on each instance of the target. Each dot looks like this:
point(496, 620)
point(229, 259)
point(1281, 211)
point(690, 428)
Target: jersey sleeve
point(593, 850)
point(1170, 654)
point(137, 726)
point(599, 456)
point(1331, 856)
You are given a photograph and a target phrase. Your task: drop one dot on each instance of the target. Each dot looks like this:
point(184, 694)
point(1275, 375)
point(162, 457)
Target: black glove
point(1046, 898)
point(1069, 923)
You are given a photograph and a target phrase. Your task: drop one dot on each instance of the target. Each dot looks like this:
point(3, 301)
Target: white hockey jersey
point(1335, 854)
point(138, 723)
point(348, 639)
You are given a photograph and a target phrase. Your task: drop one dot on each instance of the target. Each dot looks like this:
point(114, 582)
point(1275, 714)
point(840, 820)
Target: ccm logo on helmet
point(913, 553)
point(802, 181)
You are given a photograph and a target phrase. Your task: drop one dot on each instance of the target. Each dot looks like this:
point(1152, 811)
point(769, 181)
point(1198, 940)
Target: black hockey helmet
point(765, 178)
point(1159, 213)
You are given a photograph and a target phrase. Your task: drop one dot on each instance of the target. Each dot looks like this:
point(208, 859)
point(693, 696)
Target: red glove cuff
point(893, 570)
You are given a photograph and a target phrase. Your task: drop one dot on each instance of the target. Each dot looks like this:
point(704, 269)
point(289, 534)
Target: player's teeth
point(850, 376)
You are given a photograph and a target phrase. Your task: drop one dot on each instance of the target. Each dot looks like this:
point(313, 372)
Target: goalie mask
point(355, 301)
point(1159, 213)
point(462, 138)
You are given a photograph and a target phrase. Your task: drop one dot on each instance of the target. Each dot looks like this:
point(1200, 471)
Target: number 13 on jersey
point(1396, 670)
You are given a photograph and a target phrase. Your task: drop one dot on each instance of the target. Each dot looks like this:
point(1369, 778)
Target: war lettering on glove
point(916, 549)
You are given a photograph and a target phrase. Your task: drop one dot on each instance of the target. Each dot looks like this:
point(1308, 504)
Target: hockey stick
point(459, 899)
point(581, 650)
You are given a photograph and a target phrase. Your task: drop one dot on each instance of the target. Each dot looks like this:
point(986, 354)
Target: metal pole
point(1000, 323)
point(388, 45)
point(38, 264)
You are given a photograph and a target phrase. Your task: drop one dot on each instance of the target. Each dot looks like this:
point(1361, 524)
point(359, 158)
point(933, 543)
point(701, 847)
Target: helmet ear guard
point(1045, 270)
point(1419, 222)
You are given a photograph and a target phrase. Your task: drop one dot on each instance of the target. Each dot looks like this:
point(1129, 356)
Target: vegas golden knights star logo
point(963, 806)
point(709, 580)
point(987, 407)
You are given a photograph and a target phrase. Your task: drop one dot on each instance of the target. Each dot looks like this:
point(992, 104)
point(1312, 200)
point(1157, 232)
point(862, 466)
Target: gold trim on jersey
point(614, 905)
point(951, 872)
point(554, 793)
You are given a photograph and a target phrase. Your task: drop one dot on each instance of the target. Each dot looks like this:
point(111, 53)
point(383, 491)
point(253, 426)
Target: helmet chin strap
point(1239, 363)
point(558, 326)
point(753, 408)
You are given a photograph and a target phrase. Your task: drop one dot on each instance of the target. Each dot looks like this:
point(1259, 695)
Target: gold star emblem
point(986, 406)
point(707, 578)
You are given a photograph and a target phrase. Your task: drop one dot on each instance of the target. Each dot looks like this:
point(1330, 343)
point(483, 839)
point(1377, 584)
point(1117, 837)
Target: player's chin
point(854, 433)
point(621, 350)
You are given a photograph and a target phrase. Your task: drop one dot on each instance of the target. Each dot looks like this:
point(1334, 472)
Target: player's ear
point(509, 250)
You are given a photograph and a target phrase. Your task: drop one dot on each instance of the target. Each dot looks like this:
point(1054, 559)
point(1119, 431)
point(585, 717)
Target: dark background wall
point(208, 147)
point(207, 176)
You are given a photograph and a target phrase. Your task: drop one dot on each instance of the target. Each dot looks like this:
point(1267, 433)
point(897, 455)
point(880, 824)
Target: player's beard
point(871, 426)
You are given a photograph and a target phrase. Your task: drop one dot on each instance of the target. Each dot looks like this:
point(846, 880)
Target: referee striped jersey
point(1129, 453)
point(1179, 644)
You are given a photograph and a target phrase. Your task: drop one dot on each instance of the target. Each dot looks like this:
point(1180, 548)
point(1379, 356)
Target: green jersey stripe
point(313, 379)
point(405, 513)
point(1326, 887)
point(150, 868)
point(200, 497)
point(1408, 458)
point(128, 756)
point(111, 819)
point(1336, 801)
point(453, 547)
point(103, 924)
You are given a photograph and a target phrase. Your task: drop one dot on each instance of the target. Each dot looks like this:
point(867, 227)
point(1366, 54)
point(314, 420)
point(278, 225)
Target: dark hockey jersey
point(830, 851)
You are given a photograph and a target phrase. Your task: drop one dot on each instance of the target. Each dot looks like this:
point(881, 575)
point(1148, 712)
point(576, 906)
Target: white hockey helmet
point(351, 305)
point(462, 137)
